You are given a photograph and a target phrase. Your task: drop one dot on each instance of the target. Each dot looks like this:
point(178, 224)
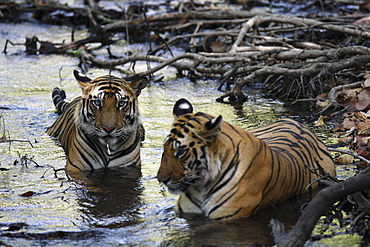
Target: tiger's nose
point(108, 129)
point(162, 177)
point(164, 181)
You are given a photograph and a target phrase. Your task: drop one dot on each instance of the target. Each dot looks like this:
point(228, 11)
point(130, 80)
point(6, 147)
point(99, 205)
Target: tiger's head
point(109, 108)
point(187, 155)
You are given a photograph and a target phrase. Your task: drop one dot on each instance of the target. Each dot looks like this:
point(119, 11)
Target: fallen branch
point(317, 207)
point(311, 70)
point(192, 59)
point(333, 93)
point(289, 55)
point(4, 138)
point(23, 161)
point(289, 80)
point(350, 153)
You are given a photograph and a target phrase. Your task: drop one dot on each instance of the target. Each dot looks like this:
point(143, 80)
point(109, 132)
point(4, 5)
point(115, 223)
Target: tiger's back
point(298, 148)
point(222, 171)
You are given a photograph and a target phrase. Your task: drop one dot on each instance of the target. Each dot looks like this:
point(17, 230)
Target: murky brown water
point(119, 207)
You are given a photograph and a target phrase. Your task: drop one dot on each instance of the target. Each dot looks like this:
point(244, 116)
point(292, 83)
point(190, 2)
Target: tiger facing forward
point(222, 171)
point(101, 128)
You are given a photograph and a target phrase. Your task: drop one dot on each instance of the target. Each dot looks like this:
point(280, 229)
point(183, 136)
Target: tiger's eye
point(180, 152)
point(96, 103)
point(122, 104)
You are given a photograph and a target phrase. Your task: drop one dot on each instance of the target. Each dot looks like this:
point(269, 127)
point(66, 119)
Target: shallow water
point(117, 206)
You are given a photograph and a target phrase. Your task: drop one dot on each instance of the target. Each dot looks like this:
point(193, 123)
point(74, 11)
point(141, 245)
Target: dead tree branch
point(250, 42)
point(293, 57)
point(332, 95)
point(317, 207)
point(350, 153)
point(4, 138)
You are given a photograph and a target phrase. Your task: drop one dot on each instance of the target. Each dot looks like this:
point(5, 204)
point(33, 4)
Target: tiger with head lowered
point(102, 127)
point(223, 172)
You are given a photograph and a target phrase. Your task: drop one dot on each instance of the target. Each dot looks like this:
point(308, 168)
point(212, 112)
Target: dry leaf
point(322, 103)
point(367, 78)
point(363, 100)
point(348, 98)
point(360, 116)
point(218, 46)
point(320, 121)
point(362, 164)
point(344, 160)
point(366, 140)
point(362, 128)
point(28, 194)
point(348, 124)
point(363, 151)
point(346, 139)
point(366, 114)
point(322, 96)
point(348, 114)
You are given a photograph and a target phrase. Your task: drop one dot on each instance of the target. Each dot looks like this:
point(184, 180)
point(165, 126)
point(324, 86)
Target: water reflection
point(249, 231)
point(110, 197)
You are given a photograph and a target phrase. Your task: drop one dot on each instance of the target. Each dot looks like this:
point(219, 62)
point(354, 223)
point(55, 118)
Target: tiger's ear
point(211, 129)
point(138, 85)
point(213, 123)
point(81, 79)
point(181, 107)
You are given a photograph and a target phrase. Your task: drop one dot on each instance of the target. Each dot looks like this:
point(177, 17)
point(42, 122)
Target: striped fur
point(101, 128)
point(222, 171)
point(58, 100)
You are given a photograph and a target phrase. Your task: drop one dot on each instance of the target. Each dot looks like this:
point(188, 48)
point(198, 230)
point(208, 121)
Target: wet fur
point(222, 171)
point(102, 128)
